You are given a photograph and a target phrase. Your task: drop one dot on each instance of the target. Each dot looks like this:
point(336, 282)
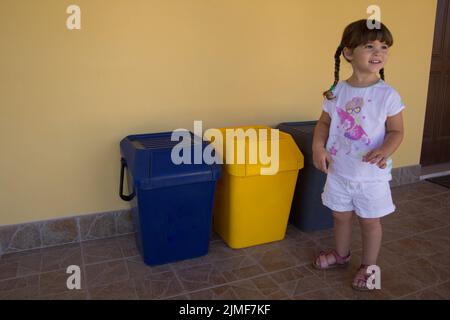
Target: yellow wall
point(68, 97)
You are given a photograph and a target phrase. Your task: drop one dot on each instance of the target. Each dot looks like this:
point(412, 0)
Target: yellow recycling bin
point(253, 197)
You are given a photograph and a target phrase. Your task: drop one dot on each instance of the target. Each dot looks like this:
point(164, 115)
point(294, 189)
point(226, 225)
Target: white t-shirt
point(358, 117)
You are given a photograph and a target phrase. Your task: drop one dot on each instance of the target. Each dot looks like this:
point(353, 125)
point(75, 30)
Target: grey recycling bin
point(307, 211)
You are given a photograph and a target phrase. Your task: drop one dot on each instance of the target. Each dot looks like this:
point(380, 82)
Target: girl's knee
point(370, 223)
point(343, 216)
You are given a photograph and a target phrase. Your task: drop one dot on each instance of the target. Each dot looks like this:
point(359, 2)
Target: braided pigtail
point(382, 74)
point(337, 62)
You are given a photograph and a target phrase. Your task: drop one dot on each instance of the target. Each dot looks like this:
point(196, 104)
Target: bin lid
point(302, 132)
point(290, 157)
point(148, 158)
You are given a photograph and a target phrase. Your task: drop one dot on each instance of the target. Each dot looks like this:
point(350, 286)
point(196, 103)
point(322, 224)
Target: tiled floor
point(414, 261)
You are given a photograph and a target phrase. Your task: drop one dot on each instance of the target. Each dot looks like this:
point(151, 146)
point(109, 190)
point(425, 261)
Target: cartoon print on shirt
point(352, 137)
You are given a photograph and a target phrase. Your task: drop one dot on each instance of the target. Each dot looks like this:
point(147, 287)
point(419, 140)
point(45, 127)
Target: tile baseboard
point(405, 175)
point(49, 233)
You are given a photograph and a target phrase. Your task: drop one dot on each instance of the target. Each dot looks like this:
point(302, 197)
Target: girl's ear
point(348, 54)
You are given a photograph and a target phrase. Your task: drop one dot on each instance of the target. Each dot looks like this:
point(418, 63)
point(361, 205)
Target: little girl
point(360, 127)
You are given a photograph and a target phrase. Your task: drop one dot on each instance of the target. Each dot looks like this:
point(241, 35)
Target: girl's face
point(368, 58)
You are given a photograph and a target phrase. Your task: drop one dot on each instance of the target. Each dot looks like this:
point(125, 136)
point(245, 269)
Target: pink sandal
point(363, 276)
point(340, 262)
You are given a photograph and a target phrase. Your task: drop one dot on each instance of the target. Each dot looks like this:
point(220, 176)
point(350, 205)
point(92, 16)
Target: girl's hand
point(382, 164)
point(321, 159)
point(377, 156)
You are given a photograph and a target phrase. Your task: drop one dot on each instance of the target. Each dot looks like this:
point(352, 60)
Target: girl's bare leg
point(342, 235)
point(343, 232)
point(371, 238)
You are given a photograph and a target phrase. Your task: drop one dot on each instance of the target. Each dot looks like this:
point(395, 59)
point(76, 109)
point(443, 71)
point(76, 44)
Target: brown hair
point(355, 34)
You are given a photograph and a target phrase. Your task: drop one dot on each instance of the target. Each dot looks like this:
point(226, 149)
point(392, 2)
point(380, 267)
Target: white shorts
point(367, 199)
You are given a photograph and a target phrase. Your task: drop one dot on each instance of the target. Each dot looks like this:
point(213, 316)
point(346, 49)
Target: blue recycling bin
point(171, 203)
point(307, 211)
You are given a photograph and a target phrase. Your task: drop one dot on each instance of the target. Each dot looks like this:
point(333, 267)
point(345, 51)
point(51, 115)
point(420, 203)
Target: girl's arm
point(321, 131)
point(394, 136)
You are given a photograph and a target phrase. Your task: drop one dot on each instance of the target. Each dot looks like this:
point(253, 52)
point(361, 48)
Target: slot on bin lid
point(149, 161)
point(290, 157)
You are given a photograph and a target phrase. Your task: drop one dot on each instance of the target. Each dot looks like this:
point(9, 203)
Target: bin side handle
point(122, 170)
